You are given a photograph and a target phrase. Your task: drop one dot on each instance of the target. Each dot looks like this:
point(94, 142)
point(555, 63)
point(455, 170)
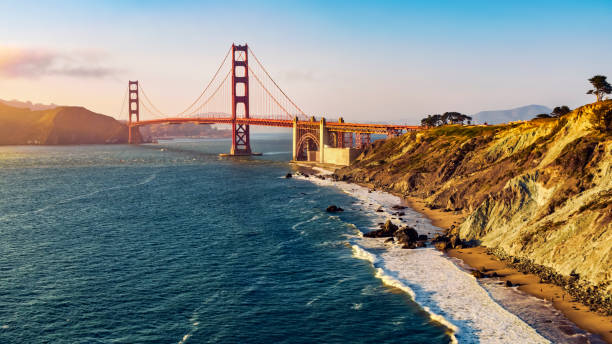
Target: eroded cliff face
point(539, 190)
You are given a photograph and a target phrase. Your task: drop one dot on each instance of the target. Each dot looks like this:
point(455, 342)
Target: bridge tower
point(133, 111)
point(241, 144)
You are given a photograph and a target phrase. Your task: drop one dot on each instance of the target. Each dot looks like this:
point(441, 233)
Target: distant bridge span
point(235, 102)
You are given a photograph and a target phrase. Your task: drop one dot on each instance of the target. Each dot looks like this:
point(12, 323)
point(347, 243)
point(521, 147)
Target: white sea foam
point(298, 224)
point(387, 279)
point(448, 293)
point(184, 339)
point(194, 327)
point(327, 291)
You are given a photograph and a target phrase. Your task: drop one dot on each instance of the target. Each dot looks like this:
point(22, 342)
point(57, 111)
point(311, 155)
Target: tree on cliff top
point(543, 115)
point(432, 120)
point(601, 86)
point(455, 118)
point(560, 111)
point(448, 117)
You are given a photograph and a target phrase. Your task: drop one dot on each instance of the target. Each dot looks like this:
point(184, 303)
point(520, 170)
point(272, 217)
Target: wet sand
point(477, 258)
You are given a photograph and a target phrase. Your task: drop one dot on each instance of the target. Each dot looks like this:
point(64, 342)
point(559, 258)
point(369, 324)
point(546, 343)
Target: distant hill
point(503, 116)
point(59, 125)
point(161, 131)
point(28, 105)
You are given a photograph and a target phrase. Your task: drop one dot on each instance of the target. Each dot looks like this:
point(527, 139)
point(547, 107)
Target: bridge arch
point(308, 142)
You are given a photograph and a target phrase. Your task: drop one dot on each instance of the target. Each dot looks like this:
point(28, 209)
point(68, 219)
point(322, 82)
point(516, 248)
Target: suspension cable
point(149, 100)
point(150, 111)
point(207, 86)
point(123, 105)
point(216, 90)
point(268, 92)
point(275, 84)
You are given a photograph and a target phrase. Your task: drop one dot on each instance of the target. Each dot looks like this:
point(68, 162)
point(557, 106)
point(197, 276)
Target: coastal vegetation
point(601, 87)
point(446, 118)
point(556, 112)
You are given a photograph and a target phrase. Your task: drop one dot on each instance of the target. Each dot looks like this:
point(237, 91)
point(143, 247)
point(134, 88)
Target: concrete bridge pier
point(295, 138)
point(321, 143)
point(323, 139)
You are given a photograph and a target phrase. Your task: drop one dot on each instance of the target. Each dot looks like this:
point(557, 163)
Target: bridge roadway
point(340, 126)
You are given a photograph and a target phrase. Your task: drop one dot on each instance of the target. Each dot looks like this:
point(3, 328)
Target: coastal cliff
point(59, 125)
point(537, 193)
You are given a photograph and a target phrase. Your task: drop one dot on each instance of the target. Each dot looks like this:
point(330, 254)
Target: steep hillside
point(60, 125)
point(539, 191)
point(523, 113)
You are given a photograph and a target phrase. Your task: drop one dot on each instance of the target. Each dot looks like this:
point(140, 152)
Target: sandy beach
point(479, 259)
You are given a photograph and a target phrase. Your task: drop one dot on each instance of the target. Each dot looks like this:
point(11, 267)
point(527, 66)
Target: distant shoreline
point(111, 143)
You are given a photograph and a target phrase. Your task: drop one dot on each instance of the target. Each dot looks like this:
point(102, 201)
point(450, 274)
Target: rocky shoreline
point(539, 190)
point(594, 297)
point(598, 303)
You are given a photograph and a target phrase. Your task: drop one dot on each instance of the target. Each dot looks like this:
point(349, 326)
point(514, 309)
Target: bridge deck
point(285, 123)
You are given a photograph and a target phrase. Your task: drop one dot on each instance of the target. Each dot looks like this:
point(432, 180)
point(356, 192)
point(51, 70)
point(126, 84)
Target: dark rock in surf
point(386, 230)
point(406, 235)
point(288, 175)
point(332, 209)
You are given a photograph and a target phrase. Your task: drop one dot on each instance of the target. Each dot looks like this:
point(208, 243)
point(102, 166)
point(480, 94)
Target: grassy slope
point(539, 190)
point(62, 125)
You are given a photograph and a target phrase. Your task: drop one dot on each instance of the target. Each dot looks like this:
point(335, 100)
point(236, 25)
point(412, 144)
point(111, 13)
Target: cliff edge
point(537, 192)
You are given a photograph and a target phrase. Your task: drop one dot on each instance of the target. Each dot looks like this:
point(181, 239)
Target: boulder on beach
point(478, 274)
point(444, 242)
point(379, 210)
point(413, 245)
point(441, 245)
point(406, 236)
point(386, 230)
point(333, 208)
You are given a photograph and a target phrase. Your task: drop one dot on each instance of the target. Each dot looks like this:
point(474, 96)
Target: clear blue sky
point(394, 60)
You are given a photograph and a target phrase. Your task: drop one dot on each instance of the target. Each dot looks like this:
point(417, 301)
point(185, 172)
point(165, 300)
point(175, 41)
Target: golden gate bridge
point(243, 94)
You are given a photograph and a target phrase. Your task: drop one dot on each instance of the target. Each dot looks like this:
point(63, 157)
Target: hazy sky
point(394, 60)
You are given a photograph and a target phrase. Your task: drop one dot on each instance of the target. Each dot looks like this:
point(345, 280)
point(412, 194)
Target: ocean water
point(169, 243)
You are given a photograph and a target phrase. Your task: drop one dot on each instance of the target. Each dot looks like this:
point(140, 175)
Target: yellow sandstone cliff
point(537, 192)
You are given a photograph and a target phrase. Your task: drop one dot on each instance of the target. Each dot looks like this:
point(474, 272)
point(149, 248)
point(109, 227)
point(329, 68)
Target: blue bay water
point(169, 243)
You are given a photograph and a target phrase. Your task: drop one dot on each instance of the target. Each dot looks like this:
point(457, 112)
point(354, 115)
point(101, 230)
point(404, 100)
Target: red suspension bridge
point(242, 94)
